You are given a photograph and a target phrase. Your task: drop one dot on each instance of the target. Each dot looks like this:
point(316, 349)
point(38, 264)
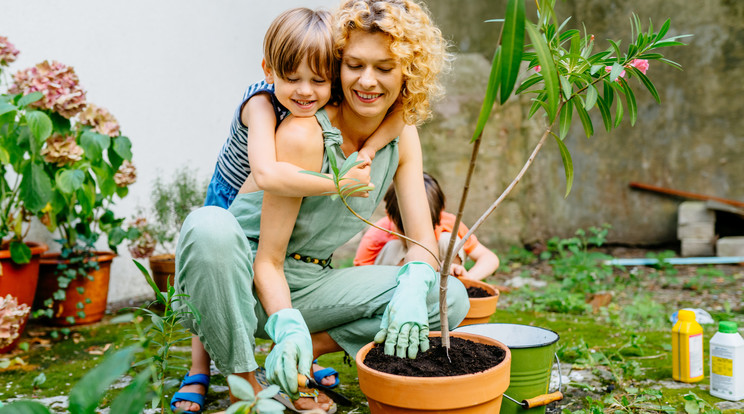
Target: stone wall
point(692, 141)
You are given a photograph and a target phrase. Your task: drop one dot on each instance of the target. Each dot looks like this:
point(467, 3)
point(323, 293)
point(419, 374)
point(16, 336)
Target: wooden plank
point(685, 194)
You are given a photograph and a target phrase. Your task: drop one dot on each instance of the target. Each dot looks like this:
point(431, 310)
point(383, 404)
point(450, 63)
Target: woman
point(390, 52)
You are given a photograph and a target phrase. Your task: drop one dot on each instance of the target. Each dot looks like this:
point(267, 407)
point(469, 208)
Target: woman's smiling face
point(371, 77)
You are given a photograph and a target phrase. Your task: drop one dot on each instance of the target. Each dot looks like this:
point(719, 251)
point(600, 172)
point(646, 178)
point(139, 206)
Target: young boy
point(299, 68)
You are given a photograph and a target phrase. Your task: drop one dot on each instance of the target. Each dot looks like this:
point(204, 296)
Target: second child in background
point(379, 247)
point(300, 68)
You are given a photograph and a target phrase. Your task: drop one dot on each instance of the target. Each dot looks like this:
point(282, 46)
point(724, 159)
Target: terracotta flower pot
point(163, 267)
point(96, 290)
point(481, 309)
point(19, 281)
point(462, 394)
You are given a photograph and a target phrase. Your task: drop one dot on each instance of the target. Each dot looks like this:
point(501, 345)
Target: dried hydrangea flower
point(59, 84)
point(8, 52)
point(62, 150)
point(126, 175)
point(12, 316)
point(100, 119)
point(144, 245)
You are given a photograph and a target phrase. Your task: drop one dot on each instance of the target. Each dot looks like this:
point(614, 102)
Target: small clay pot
point(481, 309)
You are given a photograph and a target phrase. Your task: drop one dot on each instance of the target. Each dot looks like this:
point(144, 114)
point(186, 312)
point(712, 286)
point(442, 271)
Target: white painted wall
point(171, 71)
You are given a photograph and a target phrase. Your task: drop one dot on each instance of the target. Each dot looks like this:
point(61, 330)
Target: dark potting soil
point(476, 292)
point(467, 358)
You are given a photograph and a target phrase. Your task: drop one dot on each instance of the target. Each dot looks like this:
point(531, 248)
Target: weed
point(663, 265)
point(578, 268)
point(518, 255)
point(696, 405)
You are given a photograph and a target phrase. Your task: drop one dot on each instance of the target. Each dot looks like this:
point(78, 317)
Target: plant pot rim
point(483, 285)
point(37, 248)
point(100, 256)
point(463, 335)
point(165, 257)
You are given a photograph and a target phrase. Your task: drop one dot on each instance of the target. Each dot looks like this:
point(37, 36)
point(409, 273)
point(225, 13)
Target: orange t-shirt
point(374, 239)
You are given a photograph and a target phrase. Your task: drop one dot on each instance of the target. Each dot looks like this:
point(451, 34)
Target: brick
point(730, 246)
point(695, 212)
point(697, 247)
point(698, 230)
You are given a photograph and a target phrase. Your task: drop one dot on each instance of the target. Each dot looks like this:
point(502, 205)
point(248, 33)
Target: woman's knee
point(458, 303)
point(211, 228)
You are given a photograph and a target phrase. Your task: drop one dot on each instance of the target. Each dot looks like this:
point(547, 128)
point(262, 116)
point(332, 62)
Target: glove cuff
point(283, 322)
point(417, 271)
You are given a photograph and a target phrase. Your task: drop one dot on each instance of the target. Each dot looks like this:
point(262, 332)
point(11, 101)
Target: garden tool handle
point(302, 380)
point(541, 400)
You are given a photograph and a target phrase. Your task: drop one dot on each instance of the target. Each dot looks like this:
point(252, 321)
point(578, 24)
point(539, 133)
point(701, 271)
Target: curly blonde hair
point(415, 41)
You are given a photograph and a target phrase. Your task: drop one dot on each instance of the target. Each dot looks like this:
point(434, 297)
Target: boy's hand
point(358, 175)
point(457, 270)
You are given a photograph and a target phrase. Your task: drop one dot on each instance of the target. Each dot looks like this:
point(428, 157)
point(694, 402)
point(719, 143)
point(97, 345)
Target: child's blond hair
point(415, 41)
point(297, 34)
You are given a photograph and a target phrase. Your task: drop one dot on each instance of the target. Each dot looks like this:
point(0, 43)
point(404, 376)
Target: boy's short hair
point(297, 34)
point(434, 196)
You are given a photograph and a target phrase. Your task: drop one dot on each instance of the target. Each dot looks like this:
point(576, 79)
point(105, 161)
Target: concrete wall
point(692, 141)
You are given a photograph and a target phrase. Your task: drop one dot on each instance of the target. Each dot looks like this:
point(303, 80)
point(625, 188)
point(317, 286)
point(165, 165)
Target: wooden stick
point(685, 194)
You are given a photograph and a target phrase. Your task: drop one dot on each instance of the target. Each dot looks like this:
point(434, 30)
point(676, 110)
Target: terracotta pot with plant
point(565, 77)
point(172, 200)
point(23, 193)
point(78, 164)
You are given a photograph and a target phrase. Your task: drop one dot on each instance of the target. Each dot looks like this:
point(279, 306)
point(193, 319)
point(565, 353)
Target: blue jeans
point(219, 192)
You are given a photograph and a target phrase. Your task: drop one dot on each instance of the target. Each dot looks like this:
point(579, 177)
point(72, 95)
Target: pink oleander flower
point(8, 52)
point(640, 64)
point(59, 84)
point(100, 119)
point(62, 150)
point(608, 69)
point(12, 316)
point(538, 68)
point(126, 175)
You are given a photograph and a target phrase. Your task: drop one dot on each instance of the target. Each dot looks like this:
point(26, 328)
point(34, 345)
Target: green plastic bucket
point(532, 350)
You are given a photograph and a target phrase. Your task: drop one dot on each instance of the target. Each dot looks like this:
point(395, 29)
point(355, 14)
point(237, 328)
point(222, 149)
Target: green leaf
point(317, 174)
point(618, 112)
point(528, 82)
point(585, 120)
point(94, 144)
point(6, 107)
point(664, 29)
point(158, 295)
point(68, 181)
point(564, 121)
point(512, 47)
point(88, 392)
point(36, 187)
point(566, 86)
point(631, 101)
point(268, 392)
point(648, 84)
point(123, 147)
point(567, 163)
point(332, 161)
point(20, 252)
point(241, 388)
point(40, 124)
point(591, 97)
point(269, 406)
point(617, 69)
point(606, 116)
point(135, 397)
point(25, 407)
point(351, 162)
point(30, 98)
point(490, 97)
point(549, 72)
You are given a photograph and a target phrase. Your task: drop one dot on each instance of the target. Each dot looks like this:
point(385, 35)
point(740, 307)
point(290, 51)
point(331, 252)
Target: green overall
point(214, 266)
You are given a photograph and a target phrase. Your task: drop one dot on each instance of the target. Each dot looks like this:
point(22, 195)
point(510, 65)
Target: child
point(300, 69)
point(381, 248)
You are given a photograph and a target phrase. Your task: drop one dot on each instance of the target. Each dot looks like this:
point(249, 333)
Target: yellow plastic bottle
point(687, 348)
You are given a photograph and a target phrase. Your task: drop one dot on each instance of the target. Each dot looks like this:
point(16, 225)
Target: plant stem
point(447, 261)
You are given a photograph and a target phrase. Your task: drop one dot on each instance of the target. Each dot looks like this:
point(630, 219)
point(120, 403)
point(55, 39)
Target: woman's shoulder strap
point(331, 134)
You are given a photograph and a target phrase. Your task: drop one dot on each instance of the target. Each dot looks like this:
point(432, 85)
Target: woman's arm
point(279, 176)
point(412, 201)
point(279, 213)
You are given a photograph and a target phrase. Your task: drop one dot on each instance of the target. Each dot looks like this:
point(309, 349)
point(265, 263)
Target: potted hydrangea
point(78, 164)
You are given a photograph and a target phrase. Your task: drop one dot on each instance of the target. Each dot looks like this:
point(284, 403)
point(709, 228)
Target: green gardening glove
point(293, 350)
point(405, 323)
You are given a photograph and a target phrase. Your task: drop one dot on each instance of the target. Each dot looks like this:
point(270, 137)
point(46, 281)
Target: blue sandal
point(326, 372)
point(193, 397)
